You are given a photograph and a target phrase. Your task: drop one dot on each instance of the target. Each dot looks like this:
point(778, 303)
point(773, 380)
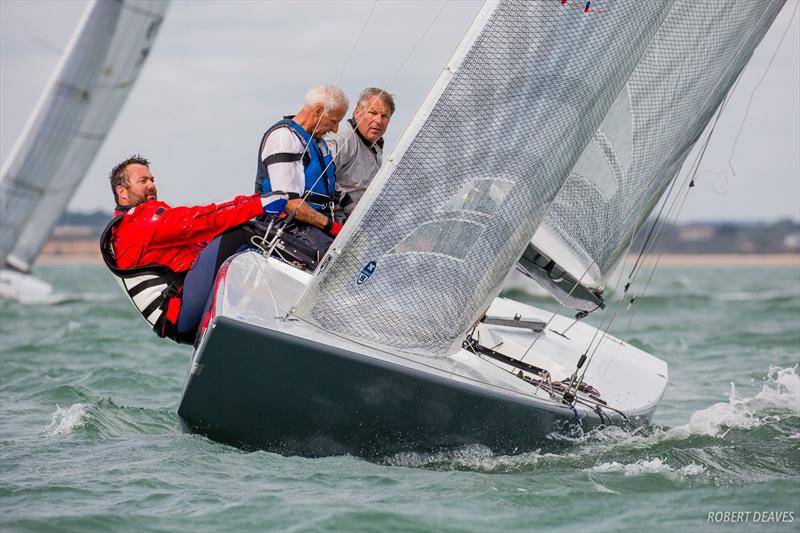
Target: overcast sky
point(222, 72)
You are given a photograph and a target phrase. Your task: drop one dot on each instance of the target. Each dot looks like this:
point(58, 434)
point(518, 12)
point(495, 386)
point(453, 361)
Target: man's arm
point(187, 225)
point(304, 213)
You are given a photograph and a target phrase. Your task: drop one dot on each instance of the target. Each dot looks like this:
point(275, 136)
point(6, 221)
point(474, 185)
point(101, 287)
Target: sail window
point(447, 237)
point(482, 195)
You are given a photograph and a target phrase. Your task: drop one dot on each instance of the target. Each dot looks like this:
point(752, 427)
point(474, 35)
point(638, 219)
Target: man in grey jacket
point(358, 147)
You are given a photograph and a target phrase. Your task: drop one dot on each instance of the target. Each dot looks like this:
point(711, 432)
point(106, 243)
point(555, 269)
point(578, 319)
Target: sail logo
point(366, 272)
point(584, 6)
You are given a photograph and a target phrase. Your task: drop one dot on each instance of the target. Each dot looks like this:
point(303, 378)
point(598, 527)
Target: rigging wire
point(605, 328)
point(693, 174)
point(274, 243)
point(355, 43)
point(575, 382)
point(764, 75)
point(698, 159)
point(391, 79)
point(677, 196)
point(607, 242)
point(634, 271)
point(269, 248)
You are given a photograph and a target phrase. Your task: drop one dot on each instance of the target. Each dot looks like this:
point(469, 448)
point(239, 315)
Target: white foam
point(648, 466)
point(781, 390)
point(473, 456)
point(65, 420)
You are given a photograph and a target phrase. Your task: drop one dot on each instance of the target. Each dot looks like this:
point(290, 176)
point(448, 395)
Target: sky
point(222, 72)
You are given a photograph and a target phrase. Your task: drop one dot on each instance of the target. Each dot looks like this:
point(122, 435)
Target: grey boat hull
point(258, 388)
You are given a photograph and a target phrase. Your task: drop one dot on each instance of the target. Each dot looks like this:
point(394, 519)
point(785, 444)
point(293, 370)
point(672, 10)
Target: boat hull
point(258, 388)
point(262, 379)
point(23, 288)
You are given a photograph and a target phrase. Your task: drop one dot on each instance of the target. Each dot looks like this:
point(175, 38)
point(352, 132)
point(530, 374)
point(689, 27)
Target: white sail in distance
point(686, 73)
point(84, 97)
point(453, 208)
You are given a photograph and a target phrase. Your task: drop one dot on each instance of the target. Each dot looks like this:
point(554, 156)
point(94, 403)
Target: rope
point(635, 274)
point(753, 92)
point(341, 72)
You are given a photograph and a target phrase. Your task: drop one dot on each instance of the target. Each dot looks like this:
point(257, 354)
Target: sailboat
point(94, 77)
point(545, 143)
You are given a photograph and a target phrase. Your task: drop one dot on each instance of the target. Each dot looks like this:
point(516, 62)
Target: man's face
point(328, 121)
point(141, 186)
point(372, 118)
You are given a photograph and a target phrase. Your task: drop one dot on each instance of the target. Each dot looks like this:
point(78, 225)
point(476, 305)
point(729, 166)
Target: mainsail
point(685, 74)
point(76, 112)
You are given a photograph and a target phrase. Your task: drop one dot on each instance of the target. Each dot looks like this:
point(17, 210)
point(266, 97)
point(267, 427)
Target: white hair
point(331, 97)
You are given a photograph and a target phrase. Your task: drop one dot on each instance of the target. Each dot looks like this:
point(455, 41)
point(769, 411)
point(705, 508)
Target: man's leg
point(199, 280)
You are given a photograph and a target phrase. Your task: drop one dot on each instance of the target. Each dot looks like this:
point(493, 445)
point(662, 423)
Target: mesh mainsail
point(472, 177)
point(97, 72)
point(686, 72)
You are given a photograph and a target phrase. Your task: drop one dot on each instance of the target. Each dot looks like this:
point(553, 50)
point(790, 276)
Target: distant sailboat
point(547, 140)
point(64, 133)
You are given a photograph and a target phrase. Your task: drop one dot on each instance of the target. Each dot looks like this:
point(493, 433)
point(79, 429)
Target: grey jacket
point(356, 161)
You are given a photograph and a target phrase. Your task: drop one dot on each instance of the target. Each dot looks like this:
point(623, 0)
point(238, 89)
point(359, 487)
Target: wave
point(105, 419)
point(648, 466)
point(681, 452)
point(471, 457)
point(780, 391)
point(66, 420)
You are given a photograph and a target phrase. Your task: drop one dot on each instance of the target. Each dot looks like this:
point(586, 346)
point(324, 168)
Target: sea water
point(90, 439)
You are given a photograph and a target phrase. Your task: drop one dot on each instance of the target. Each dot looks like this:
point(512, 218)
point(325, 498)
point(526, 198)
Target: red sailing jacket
point(153, 233)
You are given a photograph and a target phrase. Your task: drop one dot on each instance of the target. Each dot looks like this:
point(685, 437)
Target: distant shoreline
point(699, 260)
point(716, 260)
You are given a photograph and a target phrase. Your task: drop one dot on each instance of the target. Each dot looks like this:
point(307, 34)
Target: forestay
point(452, 210)
point(95, 76)
point(686, 72)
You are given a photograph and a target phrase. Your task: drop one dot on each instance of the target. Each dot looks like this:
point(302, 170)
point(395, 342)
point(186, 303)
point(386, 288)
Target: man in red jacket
point(166, 258)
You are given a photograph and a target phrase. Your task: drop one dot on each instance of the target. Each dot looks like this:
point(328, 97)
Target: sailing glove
point(332, 228)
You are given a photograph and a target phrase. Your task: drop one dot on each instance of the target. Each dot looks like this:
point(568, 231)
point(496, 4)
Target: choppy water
point(89, 438)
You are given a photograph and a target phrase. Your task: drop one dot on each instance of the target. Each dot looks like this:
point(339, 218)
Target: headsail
point(95, 76)
point(688, 69)
point(452, 210)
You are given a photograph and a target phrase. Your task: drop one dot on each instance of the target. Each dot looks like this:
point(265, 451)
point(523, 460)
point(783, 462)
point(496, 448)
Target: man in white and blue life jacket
point(293, 160)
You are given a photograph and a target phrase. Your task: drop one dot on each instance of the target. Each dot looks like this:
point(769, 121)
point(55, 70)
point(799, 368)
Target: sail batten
point(476, 173)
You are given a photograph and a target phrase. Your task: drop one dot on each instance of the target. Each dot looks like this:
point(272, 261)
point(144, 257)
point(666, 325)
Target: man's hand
point(332, 228)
